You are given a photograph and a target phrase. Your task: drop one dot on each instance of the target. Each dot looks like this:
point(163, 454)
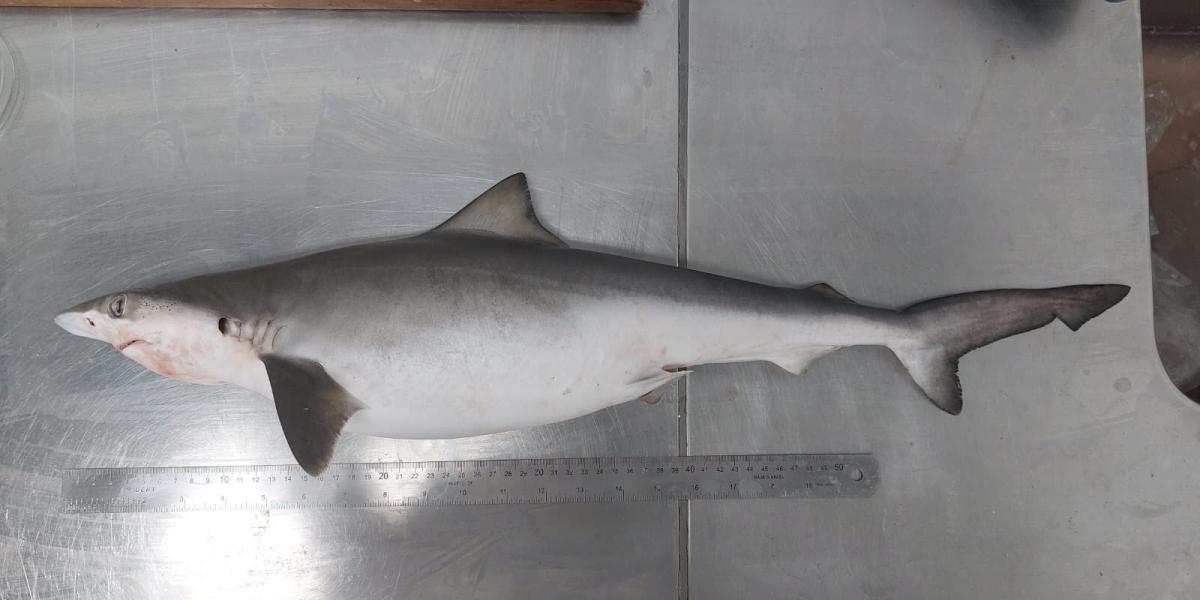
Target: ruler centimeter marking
point(470, 482)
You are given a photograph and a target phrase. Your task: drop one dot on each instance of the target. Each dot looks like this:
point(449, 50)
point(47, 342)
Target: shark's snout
point(77, 322)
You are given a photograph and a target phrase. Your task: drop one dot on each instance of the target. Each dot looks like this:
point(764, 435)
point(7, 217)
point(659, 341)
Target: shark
point(489, 322)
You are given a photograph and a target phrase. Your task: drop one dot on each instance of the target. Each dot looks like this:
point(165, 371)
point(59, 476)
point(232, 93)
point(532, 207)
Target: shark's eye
point(116, 308)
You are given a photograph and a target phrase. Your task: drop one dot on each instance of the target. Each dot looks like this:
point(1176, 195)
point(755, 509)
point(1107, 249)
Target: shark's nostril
point(91, 322)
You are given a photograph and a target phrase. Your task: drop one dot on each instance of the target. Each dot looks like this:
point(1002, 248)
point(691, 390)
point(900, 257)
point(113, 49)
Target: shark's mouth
point(123, 345)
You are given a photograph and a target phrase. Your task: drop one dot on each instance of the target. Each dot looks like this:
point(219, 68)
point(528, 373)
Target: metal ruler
point(470, 482)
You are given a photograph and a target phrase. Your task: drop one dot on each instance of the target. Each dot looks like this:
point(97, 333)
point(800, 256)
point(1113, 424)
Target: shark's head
point(168, 336)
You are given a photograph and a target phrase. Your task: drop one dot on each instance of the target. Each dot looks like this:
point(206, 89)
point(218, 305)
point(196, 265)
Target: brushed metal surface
point(154, 145)
point(896, 150)
point(902, 150)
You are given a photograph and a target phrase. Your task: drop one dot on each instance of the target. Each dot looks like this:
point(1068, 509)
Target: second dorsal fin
point(828, 291)
point(505, 210)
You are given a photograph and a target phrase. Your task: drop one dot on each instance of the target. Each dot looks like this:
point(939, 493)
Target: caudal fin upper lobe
point(944, 329)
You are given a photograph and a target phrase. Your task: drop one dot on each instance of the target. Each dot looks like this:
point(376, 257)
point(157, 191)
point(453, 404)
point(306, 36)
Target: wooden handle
point(546, 6)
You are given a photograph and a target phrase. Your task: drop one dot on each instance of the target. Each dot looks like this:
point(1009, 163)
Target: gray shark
point(489, 322)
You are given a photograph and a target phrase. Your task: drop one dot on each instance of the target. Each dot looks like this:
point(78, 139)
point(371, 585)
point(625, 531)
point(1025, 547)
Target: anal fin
point(312, 408)
point(935, 371)
point(797, 361)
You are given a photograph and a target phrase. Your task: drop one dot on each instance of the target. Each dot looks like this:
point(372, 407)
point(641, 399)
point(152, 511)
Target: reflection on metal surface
point(225, 554)
point(11, 87)
point(441, 483)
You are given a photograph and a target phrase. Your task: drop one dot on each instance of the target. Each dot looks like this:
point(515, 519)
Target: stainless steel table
point(896, 150)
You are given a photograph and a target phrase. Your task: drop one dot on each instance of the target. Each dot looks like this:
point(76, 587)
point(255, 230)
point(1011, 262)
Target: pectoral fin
point(312, 408)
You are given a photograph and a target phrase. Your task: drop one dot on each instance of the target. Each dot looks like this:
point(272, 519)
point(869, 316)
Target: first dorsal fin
point(505, 210)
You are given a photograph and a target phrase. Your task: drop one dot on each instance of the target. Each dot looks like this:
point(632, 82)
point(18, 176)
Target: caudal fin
point(949, 327)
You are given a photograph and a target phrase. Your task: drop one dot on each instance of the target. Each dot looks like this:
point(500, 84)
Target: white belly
point(499, 375)
point(492, 378)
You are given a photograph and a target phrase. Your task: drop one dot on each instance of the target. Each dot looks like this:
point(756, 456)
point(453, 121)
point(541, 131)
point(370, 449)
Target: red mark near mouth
point(123, 346)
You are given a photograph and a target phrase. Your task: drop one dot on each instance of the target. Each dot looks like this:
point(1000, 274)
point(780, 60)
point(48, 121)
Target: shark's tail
point(946, 328)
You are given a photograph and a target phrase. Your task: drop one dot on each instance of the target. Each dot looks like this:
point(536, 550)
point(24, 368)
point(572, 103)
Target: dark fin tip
point(1086, 302)
point(952, 399)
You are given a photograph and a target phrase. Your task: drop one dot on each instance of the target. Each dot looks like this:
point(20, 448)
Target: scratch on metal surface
point(24, 571)
point(29, 479)
point(233, 66)
point(154, 46)
point(1087, 430)
point(849, 211)
point(462, 550)
point(262, 55)
point(78, 215)
point(1150, 510)
point(956, 154)
point(74, 55)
